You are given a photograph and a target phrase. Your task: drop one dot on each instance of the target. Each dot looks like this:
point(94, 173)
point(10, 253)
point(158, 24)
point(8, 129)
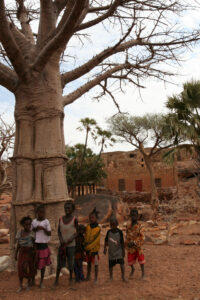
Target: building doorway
point(138, 185)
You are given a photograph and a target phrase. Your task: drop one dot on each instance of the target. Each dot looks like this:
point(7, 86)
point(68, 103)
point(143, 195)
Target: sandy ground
point(172, 272)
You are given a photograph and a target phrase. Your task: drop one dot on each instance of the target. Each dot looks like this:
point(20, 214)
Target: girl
point(134, 242)
point(25, 252)
point(42, 228)
point(67, 232)
point(92, 243)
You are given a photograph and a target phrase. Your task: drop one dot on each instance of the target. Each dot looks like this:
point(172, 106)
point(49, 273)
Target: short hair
point(70, 202)
point(113, 220)
point(94, 212)
point(134, 210)
point(40, 207)
point(24, 219)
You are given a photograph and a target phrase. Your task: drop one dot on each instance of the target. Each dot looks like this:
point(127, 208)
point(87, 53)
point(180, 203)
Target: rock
point(5, 208)
point(4, 232)
point(5, 220)
point(4, 240)
point(65, 271)
point(188, 243)
point(4, 262)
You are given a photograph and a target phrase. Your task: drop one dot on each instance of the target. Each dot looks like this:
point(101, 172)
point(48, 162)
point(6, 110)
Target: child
point(79, 254)
point(115, 242)
point(67, 232)
point(42, 228)
point(92, 243)
point(134, 242)
point(25, 252)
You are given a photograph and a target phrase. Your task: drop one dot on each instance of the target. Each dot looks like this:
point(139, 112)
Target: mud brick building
point(126, 171)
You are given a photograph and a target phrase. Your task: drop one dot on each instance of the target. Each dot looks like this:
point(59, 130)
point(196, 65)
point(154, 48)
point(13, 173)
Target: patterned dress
point(134, 242)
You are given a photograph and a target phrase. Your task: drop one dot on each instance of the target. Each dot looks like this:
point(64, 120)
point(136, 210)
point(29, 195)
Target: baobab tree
point(35, 38)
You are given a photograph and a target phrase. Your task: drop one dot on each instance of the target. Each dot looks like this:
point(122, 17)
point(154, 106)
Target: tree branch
point(48, 18)
point(10, 46)
point(22, 16)
point(58, 42)
point(8, 78)
point(111, 10)
point(95, 61)
point(70, 98)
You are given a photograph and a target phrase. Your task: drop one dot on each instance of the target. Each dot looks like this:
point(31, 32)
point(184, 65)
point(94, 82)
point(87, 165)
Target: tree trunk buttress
point(39, 160)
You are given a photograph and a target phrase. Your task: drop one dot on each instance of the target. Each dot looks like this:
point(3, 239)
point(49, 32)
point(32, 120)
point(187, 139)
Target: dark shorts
point(113, 262)
point(66, 257)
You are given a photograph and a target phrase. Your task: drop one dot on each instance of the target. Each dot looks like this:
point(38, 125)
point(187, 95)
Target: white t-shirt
point(40, 235)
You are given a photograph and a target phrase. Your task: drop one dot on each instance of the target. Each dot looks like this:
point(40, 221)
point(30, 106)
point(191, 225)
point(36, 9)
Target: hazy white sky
point(152, 98)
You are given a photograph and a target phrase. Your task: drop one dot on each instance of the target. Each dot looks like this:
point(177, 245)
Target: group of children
point(77, 244)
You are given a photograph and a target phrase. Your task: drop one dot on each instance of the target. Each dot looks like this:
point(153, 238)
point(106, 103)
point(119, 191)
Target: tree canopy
point(126, 41)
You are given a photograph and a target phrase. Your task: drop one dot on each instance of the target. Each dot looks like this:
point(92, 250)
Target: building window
point(121, 185)
point(158, 182)
point(132, 155)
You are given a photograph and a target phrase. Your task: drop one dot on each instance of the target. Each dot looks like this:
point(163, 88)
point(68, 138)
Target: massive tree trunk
point(39, 156)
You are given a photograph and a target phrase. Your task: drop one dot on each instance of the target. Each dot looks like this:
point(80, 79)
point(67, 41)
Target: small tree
point(150, 129)
point(7, 133)
point(185, 117)
point(85, 166)
point(82, 173)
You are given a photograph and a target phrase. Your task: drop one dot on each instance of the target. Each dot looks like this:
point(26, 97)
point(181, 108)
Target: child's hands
point(40, 228)
point(131, 244)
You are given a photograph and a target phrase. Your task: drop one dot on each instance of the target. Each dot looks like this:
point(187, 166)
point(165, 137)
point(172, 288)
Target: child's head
point(26, 223)
point(113, 223)
point(93, 216)
point(134, 214)
point(69, 207)
point(40, 212)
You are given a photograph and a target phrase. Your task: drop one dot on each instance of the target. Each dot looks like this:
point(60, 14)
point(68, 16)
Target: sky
point(149, 100)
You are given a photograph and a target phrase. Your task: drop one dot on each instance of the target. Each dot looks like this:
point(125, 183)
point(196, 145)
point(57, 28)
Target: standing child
point(42, 228)
point(115, 242)
point(92, 243)
point(25, 252)
point(79, 253)
point(67, 232)
point(134, 242)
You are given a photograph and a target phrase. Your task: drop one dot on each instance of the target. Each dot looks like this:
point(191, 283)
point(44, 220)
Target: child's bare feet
point(41, 286)
point(19, 289)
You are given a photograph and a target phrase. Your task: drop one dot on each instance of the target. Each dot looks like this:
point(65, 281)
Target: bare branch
point(70, 98)
point(8, 78)
point(10, 45)
point(22, 16)
point(62, 37)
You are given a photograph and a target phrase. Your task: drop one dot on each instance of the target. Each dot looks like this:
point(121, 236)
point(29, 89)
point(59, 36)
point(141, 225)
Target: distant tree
point(84, 165)
point(86, 171)
point(7, 134)
point(184, 115)
point(150, 130)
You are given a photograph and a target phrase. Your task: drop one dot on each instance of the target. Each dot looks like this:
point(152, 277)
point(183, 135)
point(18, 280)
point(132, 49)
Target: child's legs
point(96, 266)
point(70, 253)
point(42, 276)
point(89, 265)
point(131, 261)
point(141, 261)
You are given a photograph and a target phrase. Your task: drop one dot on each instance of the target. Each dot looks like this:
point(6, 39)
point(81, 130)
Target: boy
point(115, 242)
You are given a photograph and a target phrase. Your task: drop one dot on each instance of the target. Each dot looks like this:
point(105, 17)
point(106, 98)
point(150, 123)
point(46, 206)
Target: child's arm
point(122, 243)
point(16, 251)
point(106, 243)
point(60, 235)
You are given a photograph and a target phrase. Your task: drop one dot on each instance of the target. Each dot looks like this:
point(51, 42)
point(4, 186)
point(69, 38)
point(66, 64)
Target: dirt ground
point(172, 272)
